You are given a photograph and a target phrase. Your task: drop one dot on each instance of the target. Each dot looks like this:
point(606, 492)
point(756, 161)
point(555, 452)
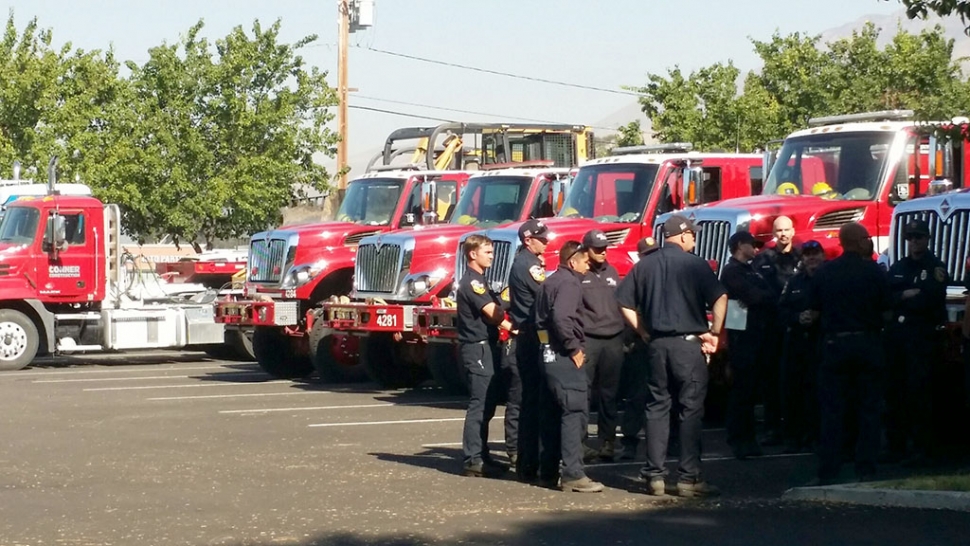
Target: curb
point(860, 494)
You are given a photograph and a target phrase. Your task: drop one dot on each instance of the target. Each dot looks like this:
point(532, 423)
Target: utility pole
point(343, 42)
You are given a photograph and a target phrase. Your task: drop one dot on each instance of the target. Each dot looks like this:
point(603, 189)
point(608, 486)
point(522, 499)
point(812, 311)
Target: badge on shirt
point(538, 274)
point(922, 275)
point(611, 281)
point(478, 287)
point(939, 274)
point(505, 294)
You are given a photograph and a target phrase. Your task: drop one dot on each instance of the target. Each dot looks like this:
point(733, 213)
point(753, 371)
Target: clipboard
point(737, 316)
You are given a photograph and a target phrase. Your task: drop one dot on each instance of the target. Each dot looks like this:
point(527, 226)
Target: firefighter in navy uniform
point(565, 408)
point(478, 315)
point(526, 277)
point(508, 386)
point(603, 327)
point(850, 299)
point(800, 353)
point(665, 300)
point(758, 298)
point(777, 264)
point(918, 285)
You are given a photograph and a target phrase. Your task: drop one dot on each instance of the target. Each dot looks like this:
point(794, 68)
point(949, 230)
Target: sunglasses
point(917, 237)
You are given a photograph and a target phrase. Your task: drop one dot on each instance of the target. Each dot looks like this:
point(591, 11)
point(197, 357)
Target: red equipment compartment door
point(73, 275)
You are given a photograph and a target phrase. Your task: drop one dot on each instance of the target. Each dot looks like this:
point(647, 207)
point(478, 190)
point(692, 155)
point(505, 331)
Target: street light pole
point(343, 9)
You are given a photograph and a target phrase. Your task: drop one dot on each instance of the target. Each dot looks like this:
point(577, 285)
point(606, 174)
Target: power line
point(499, 73)
point(394, 113)
point(460, 111)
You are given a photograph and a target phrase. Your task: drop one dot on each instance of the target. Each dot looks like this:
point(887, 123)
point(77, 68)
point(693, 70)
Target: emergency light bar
point(669, 148)
point(882, 115)
point(535, 164)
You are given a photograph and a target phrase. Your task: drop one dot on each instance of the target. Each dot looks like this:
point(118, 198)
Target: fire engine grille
point(949, 240)
point(267, 259)
point(497, 275)
point(838, 218)
point(617, 236)
point(712, 241)
point(377, 271)
point(354, 239)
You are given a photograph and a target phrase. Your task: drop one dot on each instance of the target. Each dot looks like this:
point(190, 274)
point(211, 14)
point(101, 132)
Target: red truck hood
point(804, 210)
point(329, 234)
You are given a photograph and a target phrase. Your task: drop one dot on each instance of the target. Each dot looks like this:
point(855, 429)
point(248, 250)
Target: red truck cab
point(620, 195)
point(396, 272)
point(293, 268)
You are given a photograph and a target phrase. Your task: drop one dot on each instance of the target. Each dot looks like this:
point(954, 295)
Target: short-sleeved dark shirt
point(672, 290)
point(525, 279)
point(472, 296)
point(776, 267)
point(929, 276)
point(601, 314)
point(851, 294)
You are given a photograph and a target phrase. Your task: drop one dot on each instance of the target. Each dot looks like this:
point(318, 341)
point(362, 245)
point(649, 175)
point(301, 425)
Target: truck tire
point(446, 368)
point(241, 342)
point(392, 364)
point(19, 340)
point(276, 354)
point(335, 357)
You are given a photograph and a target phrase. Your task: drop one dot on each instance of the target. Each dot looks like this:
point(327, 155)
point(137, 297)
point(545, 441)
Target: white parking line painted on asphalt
point(251, 394)
point(402, 422)
point(192, 386)
point(145, 368)
point(357, 406)
point(99, 379)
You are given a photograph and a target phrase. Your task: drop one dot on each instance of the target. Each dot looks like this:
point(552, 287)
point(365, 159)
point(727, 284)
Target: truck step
point(70, 348)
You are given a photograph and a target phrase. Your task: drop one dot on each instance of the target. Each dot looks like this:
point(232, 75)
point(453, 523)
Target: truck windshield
point(370, 202)
point(492, 200)
point(846, 166)
point(19, 225)
point(615, 192)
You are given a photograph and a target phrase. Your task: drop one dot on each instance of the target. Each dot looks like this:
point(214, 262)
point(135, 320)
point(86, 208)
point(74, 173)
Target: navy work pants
point(604, 362)
point(565, 415)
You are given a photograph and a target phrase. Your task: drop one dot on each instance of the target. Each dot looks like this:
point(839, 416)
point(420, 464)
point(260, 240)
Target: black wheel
point(276, 354)
point(335, 358)
point(391, 364)
point(241, 342)
point(446, 368)
point(19, 340)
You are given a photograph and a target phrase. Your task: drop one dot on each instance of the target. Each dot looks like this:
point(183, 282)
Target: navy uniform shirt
point(526, 277)
point(794, 300)
point(851, 293)
point(472, 296)
point(777, 267)
point(672, 290)
point(559, 307)
point(601, 313)
point(930, 277)
point(752, 289)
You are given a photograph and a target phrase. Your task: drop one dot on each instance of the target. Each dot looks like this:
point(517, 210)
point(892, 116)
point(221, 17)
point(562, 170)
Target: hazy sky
point(608, 44)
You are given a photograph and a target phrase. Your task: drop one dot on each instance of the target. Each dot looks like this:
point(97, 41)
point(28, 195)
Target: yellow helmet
point(466, 220)
point(787, 188)
point(570, 212)
point(344, 218)
point(823, 190)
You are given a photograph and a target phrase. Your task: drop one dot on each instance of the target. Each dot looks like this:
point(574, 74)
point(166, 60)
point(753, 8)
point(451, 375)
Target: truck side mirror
point(693, 185)
point(56, 234)
point(429, 202)
point(559, 188)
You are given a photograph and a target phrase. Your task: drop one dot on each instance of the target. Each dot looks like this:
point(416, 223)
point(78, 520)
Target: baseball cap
point(917, 227)
point(677, 224)
point(812, 246)
point(646, 246)
point(741, 238)
point(533, 228)
point(595, 238)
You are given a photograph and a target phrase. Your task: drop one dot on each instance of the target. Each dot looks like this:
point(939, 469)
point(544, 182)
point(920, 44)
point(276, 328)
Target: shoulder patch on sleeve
point(939, 274)
point(505, 294)
point(538, 274)
point(478, 287)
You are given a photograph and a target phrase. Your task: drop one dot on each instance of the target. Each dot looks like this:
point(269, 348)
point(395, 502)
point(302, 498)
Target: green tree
point(801, 79)
point(630, 134)
point(223, 135)
point(943, 8)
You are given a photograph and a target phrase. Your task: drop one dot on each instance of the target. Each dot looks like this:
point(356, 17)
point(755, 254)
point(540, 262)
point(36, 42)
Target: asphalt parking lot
point(179, 449)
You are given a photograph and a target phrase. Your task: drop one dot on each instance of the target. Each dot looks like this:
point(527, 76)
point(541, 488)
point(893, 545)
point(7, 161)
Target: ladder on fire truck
point(112, 252)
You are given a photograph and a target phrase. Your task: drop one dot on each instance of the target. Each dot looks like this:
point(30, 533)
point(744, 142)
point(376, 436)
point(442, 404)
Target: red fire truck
point(852, 168)
point(396, 272)
point(65, 286)
point(293, 268)
point(620, 195)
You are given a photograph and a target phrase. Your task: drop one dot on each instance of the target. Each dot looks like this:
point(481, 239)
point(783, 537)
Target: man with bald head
point(851, 299)
point(777, 263)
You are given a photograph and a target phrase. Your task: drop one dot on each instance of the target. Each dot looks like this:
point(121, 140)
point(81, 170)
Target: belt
point(482, 342)
point(688, 337)
point(543, 336)
point(853, 333)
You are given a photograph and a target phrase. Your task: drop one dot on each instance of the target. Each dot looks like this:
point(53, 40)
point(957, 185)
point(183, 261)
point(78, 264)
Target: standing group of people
point(804, 338)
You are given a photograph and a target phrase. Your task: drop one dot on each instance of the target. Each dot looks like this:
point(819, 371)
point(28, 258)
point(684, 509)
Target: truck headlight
point(422, 284)
point(299, 275)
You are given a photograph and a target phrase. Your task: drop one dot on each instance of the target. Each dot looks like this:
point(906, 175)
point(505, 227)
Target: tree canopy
point(801, 78)
point(204, 141)
point(922, 8)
